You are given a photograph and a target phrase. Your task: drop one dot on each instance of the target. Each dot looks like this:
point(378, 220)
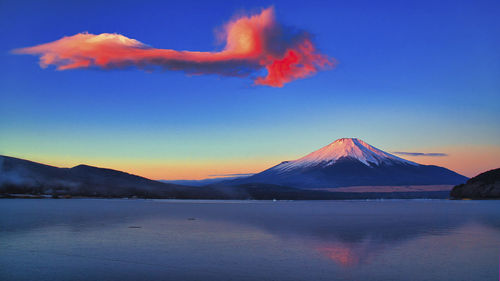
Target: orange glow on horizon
point(162, 169)
point(468, 161)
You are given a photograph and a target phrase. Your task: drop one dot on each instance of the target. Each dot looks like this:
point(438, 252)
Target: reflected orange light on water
point(341, 255)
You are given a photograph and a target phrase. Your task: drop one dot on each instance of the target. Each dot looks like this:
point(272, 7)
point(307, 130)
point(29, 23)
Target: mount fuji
point(352, 162)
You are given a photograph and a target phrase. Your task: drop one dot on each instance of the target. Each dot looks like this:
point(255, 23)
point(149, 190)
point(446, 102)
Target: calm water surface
point(86, 239)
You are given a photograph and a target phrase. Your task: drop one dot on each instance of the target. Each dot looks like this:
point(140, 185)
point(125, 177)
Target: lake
point(100, 239)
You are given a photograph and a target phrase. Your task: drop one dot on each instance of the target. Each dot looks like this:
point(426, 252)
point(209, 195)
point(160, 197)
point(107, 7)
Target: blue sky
point(411, 76)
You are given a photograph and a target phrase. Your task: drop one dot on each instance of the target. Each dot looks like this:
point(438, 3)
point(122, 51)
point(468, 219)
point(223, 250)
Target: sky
point(404, 76)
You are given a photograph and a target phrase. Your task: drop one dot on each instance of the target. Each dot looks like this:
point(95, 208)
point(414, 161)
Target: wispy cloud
point(252, 43)
point(433, 154)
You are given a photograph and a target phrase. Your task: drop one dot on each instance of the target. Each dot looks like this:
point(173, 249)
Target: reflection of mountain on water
point(347, 232)
point(352, 233)
point(357, 221)
point(349, 254)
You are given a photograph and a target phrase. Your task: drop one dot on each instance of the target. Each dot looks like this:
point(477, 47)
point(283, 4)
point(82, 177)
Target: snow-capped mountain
point(352, 162)
point(345, 148)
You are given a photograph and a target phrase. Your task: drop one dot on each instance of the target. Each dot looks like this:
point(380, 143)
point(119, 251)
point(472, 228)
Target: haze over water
point(87, 239)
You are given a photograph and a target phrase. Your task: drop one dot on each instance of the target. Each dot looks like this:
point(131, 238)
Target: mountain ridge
point(19, 176)
point(348, 147)
point(351, 162)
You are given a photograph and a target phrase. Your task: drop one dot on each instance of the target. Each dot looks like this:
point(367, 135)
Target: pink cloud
point(252, 43)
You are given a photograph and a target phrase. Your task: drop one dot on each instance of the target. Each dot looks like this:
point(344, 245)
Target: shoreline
point(335, 196)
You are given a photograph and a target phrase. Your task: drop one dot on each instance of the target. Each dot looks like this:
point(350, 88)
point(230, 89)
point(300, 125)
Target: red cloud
point(251, 43)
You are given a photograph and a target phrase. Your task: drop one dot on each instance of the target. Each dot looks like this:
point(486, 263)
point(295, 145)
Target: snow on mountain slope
point(346, 147)
point(351, 162)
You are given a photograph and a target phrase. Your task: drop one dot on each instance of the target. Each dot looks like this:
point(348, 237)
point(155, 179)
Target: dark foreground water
point(85, 239)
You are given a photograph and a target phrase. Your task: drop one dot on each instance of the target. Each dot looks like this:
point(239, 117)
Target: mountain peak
point(352, 148)
point(351, 162)
point(342, 140)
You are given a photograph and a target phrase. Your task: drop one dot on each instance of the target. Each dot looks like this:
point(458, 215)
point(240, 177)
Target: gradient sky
point(414, 76)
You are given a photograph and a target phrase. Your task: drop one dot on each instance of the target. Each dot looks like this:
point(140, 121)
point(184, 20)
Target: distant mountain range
point(351, 162)
point(201, 182)
point(23, 177)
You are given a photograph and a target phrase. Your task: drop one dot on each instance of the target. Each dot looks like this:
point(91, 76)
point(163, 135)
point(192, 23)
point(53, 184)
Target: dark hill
point(482, 186)
point(27, 177)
